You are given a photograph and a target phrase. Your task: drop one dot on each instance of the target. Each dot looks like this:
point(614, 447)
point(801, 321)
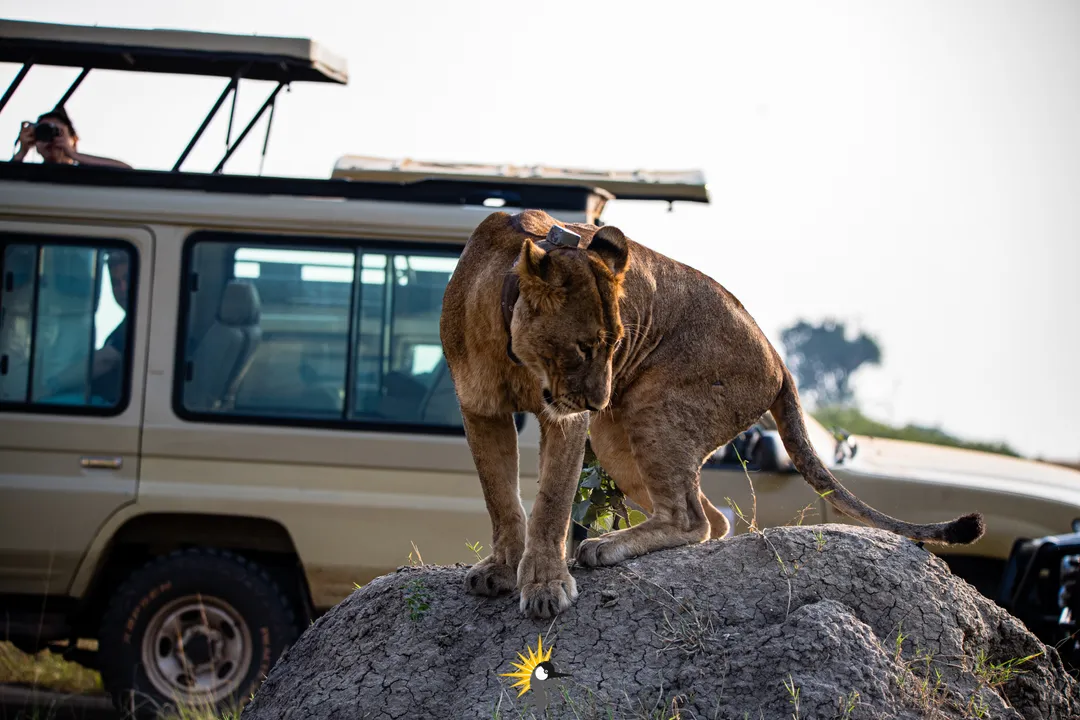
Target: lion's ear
point(612, 247)
point(533, 261)
point(534, 270)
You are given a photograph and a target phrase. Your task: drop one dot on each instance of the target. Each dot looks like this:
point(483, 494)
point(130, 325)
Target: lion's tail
point(787, 412)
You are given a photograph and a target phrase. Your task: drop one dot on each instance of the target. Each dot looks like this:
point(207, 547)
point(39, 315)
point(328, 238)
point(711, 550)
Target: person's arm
point(64, 143)
point(26, 141)
point(74, 377)
point(84, 159)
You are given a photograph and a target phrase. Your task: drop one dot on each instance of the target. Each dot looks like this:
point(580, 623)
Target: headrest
point(239, 304)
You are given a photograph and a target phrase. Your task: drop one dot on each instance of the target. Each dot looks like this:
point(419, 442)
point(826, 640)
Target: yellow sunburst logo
point(527, 665)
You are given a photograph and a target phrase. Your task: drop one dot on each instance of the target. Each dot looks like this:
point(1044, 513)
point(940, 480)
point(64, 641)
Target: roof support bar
point(232, 114)
point(209, 116)
point(15, 84)
point(266, 139)
point(269, 103)
point(73, 87)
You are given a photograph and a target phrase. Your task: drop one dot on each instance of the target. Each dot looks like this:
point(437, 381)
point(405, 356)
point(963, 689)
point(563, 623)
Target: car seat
point(224, 354)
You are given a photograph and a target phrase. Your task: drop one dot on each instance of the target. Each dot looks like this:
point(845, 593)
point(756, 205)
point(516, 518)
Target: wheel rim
point(196, 648)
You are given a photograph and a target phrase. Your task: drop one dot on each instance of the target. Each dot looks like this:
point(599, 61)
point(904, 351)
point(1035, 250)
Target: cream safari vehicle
point(223, 402)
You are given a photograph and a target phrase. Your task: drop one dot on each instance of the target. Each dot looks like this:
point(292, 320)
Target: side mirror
point(770, 454)
point(762, 450)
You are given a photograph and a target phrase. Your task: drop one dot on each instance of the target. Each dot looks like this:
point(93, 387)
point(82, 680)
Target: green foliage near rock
point(599, 505)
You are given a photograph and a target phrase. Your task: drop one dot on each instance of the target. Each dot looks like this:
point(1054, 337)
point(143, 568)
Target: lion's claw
point(595, 552)
point(490, 578)
point(547, 599)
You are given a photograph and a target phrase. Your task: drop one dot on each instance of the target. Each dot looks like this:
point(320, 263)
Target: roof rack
point(670, 185)
point(435, 191)
point(284, 61)
point(279, 59)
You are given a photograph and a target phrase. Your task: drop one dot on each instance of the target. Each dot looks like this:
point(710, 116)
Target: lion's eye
point(585, 349)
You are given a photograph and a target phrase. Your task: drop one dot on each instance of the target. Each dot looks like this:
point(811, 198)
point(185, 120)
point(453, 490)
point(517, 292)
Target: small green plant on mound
point(793, 695)
point(847, 704)
point(417, 599)
point(476, 548)
point(994, 674)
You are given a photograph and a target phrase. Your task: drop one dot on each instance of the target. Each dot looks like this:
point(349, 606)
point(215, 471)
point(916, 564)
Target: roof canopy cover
point(170, 51)
point(670, 185)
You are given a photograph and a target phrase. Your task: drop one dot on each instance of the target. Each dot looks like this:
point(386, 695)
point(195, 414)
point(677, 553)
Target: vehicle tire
point(198, 627)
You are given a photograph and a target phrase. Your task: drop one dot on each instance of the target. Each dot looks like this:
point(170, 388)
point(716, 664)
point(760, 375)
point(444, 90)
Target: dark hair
point(59, 113)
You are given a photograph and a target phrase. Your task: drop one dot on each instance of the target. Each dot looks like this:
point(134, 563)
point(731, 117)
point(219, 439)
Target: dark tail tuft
point(965, 530)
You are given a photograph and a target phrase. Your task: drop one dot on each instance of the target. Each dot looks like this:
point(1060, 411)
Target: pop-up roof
point(670, 185)
point(170, 51)
point(237, 57)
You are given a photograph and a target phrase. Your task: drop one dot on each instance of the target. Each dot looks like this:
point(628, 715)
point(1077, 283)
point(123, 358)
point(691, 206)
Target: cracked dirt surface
point(722, 629)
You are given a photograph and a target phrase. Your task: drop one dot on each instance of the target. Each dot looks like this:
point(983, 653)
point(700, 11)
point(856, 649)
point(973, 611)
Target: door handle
point(102, 463)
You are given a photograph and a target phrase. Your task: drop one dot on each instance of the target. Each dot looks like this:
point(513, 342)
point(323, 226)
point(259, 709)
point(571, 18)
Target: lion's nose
point(547, 396)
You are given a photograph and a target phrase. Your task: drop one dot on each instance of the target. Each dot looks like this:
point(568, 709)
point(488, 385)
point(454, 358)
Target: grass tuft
point(47, 671)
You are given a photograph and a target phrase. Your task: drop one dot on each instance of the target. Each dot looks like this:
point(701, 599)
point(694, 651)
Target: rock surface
point(824, 621)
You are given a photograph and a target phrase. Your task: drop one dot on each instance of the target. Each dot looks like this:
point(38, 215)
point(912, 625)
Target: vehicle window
point(338, 335)
point(399, 360)
point(63, 327)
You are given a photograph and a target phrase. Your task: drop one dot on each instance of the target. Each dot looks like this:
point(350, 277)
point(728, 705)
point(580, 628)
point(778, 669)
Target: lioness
point(660, 362)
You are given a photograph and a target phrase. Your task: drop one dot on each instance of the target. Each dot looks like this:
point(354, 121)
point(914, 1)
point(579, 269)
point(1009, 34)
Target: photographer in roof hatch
point(53, 136)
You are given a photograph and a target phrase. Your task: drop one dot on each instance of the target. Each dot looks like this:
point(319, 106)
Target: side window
point(63, 327)
point(320, 334)
point(267, 331)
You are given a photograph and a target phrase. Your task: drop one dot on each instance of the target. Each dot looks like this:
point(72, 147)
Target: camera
point(45, 132)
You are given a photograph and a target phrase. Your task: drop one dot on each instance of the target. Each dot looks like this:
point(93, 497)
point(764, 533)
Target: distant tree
point(822, 359)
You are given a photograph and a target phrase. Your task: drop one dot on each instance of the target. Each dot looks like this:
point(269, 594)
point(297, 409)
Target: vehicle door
point(310, 390)
point(73, 331)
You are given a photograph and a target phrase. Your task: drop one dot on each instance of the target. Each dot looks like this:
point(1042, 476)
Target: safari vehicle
point(276, 424)
point(223, 402)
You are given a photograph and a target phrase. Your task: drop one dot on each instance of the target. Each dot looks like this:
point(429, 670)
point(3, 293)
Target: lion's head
point(567, 325)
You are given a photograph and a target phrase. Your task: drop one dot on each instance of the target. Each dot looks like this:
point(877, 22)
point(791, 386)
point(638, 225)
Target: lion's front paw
point(547, 587)
point(547, 599)
point(594, 552)
point(490, 577)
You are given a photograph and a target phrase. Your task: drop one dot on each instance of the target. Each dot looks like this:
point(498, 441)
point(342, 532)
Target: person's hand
point(63, 143)
point(26, 141)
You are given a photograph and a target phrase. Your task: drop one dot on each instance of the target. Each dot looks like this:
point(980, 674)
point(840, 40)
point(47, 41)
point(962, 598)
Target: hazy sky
point(911, 167)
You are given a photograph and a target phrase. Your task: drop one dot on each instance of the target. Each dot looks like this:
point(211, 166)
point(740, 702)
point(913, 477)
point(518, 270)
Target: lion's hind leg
point(718, 522)
point(667, 466)
point(612, 447)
